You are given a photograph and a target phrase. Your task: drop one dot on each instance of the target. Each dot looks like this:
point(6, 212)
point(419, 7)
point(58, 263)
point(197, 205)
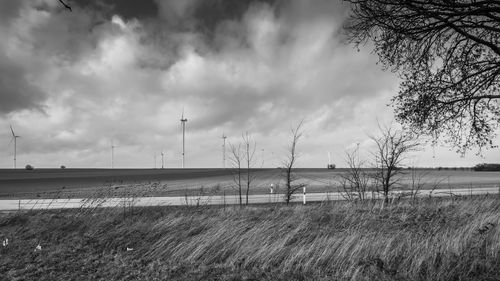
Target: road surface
point(41, 204)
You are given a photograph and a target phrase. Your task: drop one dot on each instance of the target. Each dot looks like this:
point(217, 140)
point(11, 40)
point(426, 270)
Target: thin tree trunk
point(248, 184)
point(239, 185)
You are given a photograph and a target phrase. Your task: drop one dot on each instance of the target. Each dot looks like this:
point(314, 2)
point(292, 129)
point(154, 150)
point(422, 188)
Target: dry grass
point(435, 239)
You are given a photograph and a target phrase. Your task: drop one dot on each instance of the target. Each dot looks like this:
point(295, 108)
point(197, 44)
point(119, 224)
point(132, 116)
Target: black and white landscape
point(249, 140)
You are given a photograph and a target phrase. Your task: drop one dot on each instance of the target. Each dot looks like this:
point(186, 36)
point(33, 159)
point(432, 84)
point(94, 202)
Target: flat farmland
point(73, 183)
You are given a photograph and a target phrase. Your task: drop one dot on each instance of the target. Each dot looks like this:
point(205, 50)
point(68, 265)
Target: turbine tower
point(162, 154)
point(224, 150)
point(183, 122)
point(14, 137)
point(112, 154)
point(357, 150)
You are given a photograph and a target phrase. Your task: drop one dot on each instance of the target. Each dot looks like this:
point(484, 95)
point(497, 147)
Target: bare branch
point(236, 159)
point(249, 152)
point(66, 5)
point(448, 56)
point(288, 165)
point(392, 148)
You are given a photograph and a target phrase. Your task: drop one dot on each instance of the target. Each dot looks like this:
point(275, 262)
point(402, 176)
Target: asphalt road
point(43, 204)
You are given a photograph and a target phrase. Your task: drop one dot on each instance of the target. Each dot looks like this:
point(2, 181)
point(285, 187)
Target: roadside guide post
point(271, 191)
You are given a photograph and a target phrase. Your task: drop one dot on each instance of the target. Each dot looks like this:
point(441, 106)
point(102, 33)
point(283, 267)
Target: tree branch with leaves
point(447, 54)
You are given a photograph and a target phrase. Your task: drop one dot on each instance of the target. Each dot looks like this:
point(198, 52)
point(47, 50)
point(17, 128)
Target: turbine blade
point(12, 130)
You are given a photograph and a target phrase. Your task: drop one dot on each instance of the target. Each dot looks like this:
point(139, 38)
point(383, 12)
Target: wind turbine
point(183, 122)
point(14, 137)
point(162, 154)
point(357, 150)
point(112, 154)
point(154, 156)
point(262, 165)
point(224, 150)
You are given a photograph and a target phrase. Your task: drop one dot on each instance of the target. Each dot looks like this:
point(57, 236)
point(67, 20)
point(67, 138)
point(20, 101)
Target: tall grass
point(436, 239)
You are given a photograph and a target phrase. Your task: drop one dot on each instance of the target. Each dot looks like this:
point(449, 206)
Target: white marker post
point(304, 196)
point(271, 192)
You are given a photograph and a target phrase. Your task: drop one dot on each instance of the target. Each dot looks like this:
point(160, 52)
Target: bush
point(487, 167)
point(29, 167)
point(63, 167)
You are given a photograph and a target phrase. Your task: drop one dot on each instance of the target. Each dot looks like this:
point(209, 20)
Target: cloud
point(10, 10)
point(17, 92)
point(71, 82)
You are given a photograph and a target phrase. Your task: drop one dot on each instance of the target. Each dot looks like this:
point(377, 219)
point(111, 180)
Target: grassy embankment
point(435, 239)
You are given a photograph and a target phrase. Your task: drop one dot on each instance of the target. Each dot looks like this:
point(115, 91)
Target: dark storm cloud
point(206, 26)
point(16, 91)
point(273, 62)
point(68, 37)
point(142, 9)
point(38, 37)
point(9, 10)
point(166, 28)
point(209, 14)
point(200, 15)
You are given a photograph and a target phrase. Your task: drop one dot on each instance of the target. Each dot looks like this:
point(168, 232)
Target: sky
point(122, 72)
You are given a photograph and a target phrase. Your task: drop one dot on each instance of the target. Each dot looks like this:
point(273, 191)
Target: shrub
point(487, 167)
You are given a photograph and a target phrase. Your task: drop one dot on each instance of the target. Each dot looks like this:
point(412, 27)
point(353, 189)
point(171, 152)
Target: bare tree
point(417, 182)
point(354, 182)
point(392, 148)
point(236, 159)
point(419, 179)
point(448, 56)
point(249, 152)
point(291, 185)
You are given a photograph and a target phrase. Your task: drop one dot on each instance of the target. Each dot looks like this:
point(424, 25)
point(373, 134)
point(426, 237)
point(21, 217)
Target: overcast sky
point(70, 82)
